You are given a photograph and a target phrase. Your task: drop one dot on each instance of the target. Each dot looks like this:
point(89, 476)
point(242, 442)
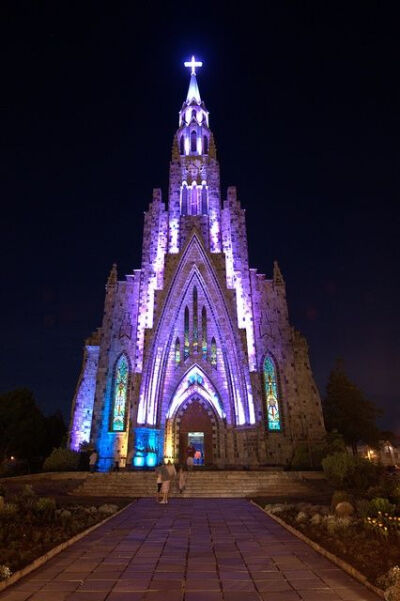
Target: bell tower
point(194, 192)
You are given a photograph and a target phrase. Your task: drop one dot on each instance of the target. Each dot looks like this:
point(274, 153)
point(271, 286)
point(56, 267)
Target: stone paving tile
point(190, 550)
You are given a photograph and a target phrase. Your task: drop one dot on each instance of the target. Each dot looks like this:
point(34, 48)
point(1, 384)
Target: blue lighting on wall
point(149, 444)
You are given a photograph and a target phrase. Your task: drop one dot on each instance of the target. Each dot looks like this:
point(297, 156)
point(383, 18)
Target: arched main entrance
point(196, 426)
point(194, 420)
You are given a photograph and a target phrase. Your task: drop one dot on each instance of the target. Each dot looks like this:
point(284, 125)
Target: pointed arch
point(182, 144)
point(195, 321)
point(196, 382)
point(204, 203)
point(153, 399)
point(120, 394)
point(193, 203)
point(271, 393)
point(205, 145)
point(184, 200)
point(213, 358)
point(177, 351)
point(204, 333)
point(186, 350)
point(193, 141)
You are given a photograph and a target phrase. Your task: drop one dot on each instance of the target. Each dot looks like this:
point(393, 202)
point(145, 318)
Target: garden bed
point(364, 545)
point(31, 524)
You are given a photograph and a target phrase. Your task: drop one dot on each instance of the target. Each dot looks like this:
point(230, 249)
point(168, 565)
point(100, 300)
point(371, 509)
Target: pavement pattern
point(189, 550)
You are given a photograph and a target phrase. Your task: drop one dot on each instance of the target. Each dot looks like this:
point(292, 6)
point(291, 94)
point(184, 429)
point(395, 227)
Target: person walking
point(168, 473)
point(92, 461)
point(182, 475)
point(158, 472)
point(190, 453)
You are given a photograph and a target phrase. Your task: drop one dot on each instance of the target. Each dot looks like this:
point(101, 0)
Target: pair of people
point(166, 473)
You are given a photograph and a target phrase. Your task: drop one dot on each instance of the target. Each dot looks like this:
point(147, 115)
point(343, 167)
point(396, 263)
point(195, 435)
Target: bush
point(380, 505)
point(338, 468)
point(9, 510)
point(28, 491)
point(362, 507)
point(45, 507)
point(311, 455)
point(61, 460)
point(339, 496)
point(5, 572)
point(351, 473)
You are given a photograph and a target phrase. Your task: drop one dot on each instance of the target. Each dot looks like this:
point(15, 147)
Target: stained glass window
point(213, 358)
point(195, 321)
point(120, 394)
point(186, 349)
point(204, 333)
point(177, 351)
point(271, 395)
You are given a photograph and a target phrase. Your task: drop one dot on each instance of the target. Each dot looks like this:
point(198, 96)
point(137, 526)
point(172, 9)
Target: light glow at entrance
point(196, 440)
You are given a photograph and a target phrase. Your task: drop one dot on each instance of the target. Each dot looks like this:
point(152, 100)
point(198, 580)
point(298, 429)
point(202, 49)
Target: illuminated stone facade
point(195, 342)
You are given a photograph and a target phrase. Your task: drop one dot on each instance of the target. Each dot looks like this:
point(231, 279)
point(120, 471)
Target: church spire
point(193, 94)
point(193, 134)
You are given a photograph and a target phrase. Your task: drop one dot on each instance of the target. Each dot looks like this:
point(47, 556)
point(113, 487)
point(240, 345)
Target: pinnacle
point(193, 91)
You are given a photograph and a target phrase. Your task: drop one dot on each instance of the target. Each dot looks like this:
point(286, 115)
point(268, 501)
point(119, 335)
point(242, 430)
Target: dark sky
point(304, 105)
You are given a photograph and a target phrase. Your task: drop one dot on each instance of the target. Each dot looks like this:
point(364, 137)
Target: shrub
point(362, 507)
point(28, 491)
point(61, 460)
point(344, 509)
point(337, 468)
point(380, 505)
point(5, 572)
point(45, 507)
point(339, 496)
point(108, 509)
point(351, 473)
point(9, 510)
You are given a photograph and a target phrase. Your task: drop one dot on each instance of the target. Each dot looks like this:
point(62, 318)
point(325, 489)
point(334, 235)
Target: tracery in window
point(271, 395)
point(120, 393)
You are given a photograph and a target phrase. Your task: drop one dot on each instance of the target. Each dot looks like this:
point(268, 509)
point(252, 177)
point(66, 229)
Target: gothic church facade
point(195, 347)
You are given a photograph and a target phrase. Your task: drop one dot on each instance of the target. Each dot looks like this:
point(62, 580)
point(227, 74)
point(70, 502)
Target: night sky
point(304, 105)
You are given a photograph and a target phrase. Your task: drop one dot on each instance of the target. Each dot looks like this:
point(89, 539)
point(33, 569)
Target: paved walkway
point(189, 550)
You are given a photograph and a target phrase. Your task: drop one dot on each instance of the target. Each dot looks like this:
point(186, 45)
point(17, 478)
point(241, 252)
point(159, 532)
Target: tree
point(347, 411)
point(55, 432)
point(22, 425)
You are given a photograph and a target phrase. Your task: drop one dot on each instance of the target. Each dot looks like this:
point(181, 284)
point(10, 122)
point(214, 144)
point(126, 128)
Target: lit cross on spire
point(193, 64)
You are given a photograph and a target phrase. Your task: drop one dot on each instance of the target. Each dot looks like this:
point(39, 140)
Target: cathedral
point(195, 348)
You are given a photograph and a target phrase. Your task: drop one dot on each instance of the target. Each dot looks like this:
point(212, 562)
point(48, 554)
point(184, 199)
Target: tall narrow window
point(213, 358)
point(205, 145)
point(204, 333)
point(195, 322)
point(182, 145)
point(193, 141)
point(184, 200)
point(186, 349)
point(271, 395)
point(204, 210)
point(194, 200)
point(177, 351)
point(120, 394)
